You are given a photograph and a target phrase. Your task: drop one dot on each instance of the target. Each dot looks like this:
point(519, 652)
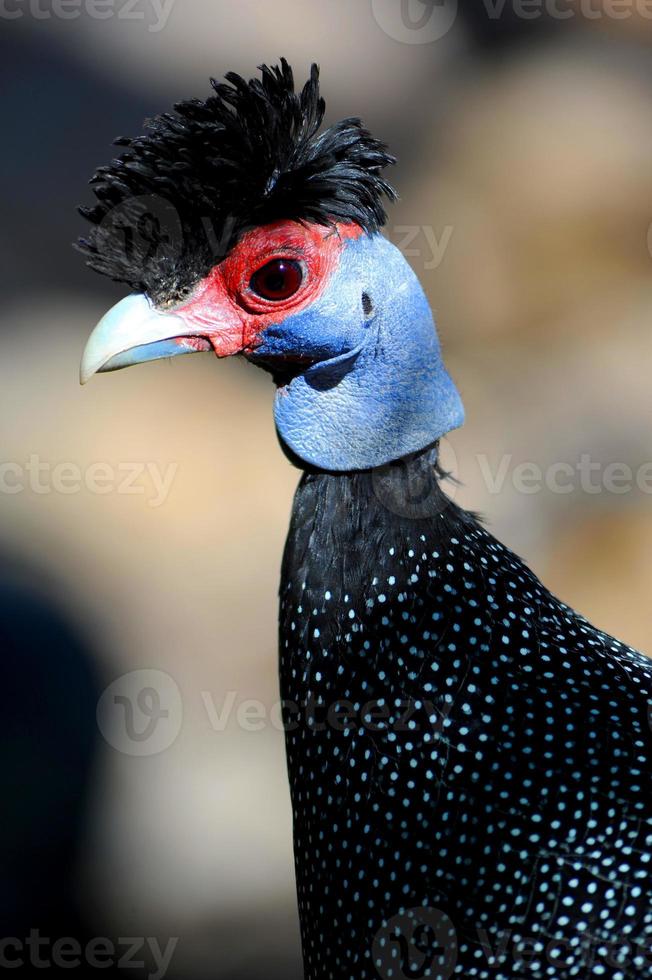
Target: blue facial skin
point(379, 389)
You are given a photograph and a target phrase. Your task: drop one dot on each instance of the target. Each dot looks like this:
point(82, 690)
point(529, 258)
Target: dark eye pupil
point(275, 281)
point(279, 279)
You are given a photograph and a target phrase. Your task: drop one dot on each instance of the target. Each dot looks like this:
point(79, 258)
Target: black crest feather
point(178, 198)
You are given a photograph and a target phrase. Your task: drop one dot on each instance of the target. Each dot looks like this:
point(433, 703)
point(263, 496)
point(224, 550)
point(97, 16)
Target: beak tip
point(86, 372)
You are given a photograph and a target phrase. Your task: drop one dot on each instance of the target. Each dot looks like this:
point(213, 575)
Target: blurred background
point(142, 518)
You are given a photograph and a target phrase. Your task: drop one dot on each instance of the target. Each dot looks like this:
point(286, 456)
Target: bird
point(469, 759)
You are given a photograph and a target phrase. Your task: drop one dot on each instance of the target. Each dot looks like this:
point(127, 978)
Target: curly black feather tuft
point(177, 199)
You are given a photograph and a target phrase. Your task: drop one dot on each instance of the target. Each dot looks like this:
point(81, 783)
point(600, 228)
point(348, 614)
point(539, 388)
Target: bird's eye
point(278, 279)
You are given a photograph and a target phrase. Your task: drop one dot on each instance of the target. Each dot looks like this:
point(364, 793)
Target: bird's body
point(459, 741)
point(469, 759)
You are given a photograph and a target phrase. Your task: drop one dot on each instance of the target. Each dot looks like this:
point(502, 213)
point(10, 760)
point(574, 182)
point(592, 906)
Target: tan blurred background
point(525, 174)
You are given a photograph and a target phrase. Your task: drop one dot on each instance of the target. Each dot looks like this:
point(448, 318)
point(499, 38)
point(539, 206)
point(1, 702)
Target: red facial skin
point(224, 309)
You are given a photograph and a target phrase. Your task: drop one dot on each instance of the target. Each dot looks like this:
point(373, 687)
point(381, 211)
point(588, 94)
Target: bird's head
point(243, 229)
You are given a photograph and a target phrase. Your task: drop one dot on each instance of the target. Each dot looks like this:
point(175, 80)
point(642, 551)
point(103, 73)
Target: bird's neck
point(350, 515)
point(356, 571)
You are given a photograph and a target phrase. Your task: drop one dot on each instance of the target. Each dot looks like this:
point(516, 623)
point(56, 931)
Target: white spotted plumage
point(505, 779)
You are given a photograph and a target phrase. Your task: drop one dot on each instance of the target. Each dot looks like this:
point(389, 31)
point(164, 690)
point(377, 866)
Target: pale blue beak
point(134, 331)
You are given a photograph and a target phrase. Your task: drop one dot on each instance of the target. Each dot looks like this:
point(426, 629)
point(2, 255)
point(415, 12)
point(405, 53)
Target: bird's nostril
point(367, 305)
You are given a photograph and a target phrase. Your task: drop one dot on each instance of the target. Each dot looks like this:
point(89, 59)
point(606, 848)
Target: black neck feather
point(350, 517)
